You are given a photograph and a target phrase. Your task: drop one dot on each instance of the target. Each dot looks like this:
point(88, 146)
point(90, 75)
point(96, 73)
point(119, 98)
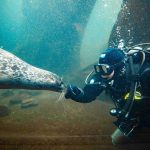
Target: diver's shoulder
point(95, 78)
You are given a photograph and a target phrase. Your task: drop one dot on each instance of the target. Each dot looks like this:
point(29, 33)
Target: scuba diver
point(124, 75)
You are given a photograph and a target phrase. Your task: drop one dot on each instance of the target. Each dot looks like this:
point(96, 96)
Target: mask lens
point(97, 68)
point(102, 68)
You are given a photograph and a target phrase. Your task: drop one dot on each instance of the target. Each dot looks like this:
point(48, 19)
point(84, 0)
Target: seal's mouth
point(61, 86)
point(58, 85)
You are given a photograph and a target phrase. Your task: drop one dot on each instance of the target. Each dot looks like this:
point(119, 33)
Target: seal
point(17, 74)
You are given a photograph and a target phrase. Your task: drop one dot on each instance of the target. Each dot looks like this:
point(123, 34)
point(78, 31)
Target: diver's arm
point(85, 95)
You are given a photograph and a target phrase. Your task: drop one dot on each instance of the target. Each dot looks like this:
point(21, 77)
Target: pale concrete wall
point(98, 29)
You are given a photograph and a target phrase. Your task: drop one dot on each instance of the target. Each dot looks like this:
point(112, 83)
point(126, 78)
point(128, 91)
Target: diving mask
point(103, 69)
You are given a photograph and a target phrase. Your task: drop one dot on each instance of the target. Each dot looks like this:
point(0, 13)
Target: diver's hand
point(72, 91)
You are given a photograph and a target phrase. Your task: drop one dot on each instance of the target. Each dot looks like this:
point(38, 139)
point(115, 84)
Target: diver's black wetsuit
point(119, 86)
point(116, 87)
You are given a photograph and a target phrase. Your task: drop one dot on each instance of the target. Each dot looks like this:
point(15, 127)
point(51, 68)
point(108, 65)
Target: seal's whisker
point(61, 96)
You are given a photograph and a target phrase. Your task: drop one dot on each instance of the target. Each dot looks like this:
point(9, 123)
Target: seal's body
point(15, 73)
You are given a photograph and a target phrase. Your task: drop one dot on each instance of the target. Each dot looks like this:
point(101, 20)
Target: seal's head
point(15, 73)
point(55, 82)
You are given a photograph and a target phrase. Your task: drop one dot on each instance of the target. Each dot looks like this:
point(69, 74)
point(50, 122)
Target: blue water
point(61, 36)
point(46, 34)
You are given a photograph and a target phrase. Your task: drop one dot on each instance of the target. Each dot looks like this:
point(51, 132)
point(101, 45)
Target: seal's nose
point(62, 85)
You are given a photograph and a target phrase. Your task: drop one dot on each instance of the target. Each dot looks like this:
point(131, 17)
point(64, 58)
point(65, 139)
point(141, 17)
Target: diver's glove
point(72, 92)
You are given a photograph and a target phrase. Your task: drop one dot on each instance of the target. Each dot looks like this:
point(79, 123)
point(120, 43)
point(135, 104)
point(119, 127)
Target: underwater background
point(64, 37)
point(51, 34)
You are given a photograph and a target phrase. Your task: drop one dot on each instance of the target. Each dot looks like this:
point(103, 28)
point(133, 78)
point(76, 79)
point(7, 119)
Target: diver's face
point(108, 76)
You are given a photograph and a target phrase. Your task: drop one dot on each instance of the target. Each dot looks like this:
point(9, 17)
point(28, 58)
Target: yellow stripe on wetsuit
point(137, 96)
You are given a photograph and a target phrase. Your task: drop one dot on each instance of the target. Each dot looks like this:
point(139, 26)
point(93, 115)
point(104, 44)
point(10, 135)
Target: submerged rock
point(133, 24)
point(28, 103)
point(4, 111)
point(15, 101)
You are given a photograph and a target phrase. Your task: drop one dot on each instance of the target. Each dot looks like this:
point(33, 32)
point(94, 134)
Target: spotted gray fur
point(15, 73)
